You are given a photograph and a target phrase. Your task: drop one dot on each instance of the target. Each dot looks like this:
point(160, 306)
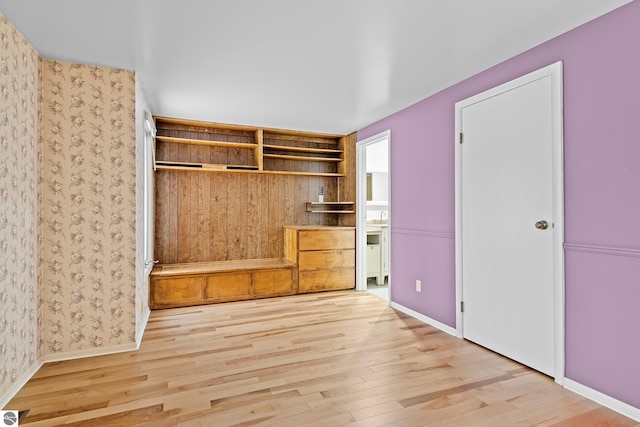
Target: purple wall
point(602, 197)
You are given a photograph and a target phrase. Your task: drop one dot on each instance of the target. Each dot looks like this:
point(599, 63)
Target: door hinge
point(462, 306)
point(461, 137)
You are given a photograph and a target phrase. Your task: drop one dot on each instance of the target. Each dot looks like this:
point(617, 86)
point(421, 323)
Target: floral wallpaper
point(88, 212)
point(18, 206)
point(67, 208)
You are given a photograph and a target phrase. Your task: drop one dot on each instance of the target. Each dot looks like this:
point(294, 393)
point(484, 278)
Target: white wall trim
point(555, 71)
point(88, 352)
point(361, 207)
point(15, 388)
point(142, 327)
point(425, 319)
point(603, 399)
point(70, 355)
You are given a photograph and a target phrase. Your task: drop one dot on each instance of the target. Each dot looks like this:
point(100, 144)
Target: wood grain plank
point(276, 191)
point(347, 184)
point(254, 217)
point(263, 228)
point(301, 196)
point(184, 217)
point(237, 216)
point(218, 233)
point(337, 358)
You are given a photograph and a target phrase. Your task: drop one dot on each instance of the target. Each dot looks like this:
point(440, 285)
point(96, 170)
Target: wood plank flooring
point(326, 359)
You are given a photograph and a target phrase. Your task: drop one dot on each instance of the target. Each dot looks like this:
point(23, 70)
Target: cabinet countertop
point(318, 227)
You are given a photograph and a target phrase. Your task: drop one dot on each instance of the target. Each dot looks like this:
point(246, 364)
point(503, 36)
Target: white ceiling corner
point(330, 66)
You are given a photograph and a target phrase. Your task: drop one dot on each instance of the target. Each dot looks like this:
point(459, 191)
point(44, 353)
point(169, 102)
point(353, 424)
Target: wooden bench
point(180, 285)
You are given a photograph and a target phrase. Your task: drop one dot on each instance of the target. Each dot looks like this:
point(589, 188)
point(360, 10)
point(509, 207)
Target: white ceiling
point(324, 65)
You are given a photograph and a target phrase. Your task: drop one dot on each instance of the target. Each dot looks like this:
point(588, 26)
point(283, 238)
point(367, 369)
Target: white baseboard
point(70, 355)
point(603, 399)
point(598, 397)
point(89, 352)
point(15, 388)
point(429, 321)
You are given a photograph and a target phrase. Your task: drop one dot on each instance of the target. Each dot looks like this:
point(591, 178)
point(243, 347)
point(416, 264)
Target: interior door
point(507, 220)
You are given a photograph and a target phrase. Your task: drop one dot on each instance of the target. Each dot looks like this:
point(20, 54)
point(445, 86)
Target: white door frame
point(361, 207)
point(555, 72)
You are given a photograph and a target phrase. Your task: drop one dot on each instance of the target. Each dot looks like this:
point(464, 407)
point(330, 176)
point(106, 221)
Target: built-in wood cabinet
point(325, 257)
point(179, 285)
point(224, 194)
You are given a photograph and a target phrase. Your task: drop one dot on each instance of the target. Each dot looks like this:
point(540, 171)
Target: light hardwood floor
point(327, 359)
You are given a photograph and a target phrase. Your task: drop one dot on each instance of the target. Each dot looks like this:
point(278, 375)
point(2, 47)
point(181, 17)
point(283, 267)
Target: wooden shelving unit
point(219, 234)
point(262, 150)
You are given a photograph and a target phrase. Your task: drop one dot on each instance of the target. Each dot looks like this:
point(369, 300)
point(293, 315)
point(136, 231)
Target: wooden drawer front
point(315, 260)
point(225, 285)
point(313, 240)
point(325, 280)
point(172, 291)
point(272, 282)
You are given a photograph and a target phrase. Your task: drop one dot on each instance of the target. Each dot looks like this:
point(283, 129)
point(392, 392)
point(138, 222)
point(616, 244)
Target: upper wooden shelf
point(302, 149)
point(208, 167)
point(204, 142)
point(196, 125)
point(305, 158)
point(234, 148)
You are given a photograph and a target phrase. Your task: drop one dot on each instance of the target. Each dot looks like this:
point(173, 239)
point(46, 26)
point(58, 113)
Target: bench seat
point(180, 285)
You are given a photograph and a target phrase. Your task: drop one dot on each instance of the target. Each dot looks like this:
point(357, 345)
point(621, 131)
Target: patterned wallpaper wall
point(88, 207)
point(18, 205)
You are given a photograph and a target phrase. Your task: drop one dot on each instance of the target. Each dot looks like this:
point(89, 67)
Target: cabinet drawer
point(325, 280)
point(313, 240)
point(315, 260)
point(228, 285)
point(172, 291)
point(272, 282)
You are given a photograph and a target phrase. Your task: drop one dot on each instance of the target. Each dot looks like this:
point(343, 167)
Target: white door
point(507, 218)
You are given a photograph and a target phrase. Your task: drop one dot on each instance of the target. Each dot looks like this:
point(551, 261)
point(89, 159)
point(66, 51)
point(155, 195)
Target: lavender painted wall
point(602, 197)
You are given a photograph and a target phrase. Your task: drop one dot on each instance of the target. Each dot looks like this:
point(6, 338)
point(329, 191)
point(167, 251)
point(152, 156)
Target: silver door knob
point(542, 225)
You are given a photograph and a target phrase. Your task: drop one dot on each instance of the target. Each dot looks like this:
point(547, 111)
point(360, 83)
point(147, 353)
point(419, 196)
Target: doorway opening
point(373, 196)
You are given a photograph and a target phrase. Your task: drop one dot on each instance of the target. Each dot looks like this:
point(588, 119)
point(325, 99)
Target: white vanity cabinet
point(374, 266)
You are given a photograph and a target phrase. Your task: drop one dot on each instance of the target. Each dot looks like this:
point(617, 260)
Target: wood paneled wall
point(347, 184)
point(214, 216)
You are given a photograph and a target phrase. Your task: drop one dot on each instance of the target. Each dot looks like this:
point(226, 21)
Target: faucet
point(383, 217)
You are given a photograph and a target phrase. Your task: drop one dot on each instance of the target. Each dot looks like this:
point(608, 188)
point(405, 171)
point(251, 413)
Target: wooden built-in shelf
point(331, 207)
point(208, 167)
point(301, 149)
point(257, 182)
point(303, 158)
point(261, 150)
point(206, 142)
